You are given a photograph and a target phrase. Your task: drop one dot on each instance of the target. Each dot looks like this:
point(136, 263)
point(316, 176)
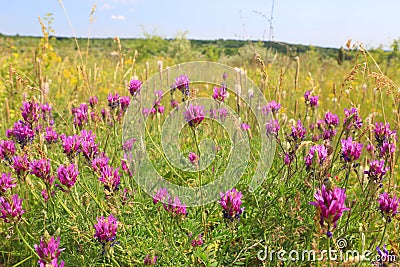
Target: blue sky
point(310, 22)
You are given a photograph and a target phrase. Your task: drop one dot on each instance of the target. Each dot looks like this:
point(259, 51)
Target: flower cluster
point(67, 175)
point(388, 205)
point(11, 210)
point(173, 205)
point(6, 182)
point(48, 252)
point(310, 100)
point(134, 87)
point(219, 93)
point(21, 133)
point(7, 149)
point(318, 151)
point(106, 231)
point(231, 202)
point(194, 115)
point(351, 150)
point(330, 206)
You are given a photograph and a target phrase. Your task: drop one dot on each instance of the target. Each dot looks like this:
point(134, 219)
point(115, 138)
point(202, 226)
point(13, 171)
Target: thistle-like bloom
point(81, 115)
point(106, 230)
point(20, 165)
point(352, 119)
point(331, 119)
point(70, 145)
point(272, 127)
point(193, 158)
point(150, 260)
point(272, 106)
point(6, 182)
point(182, 83)
point(21, 133)
point(219, 93)
point(298, 131)
point(30, 112)
point(67, 175)
point(134, 87)
point(307, 95)
point(99, 162)
point(160, 195)
point(194, 115)
point(93, 101)
point(113, 101)
point(383, 133)
point(198, 241)
point(11, 211)
point(320, 151)
point(48, 252)
point(231, 201)
point(175, 207)
point(124, 102)
point(387, 149)
point(110, 178)
point(245, 127)
point(376, 170)
point(174, 103)
point(47, 115)
point(127, 146)
point(50, 136)
point(351, 150)
point(330, 206)
point(314, 101)
point(41, 169)
point(88, 147)
point(223, 113)
point(388, 205)
point(7, 149)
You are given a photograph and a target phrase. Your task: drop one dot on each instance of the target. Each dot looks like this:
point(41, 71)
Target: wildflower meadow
point(133, 159)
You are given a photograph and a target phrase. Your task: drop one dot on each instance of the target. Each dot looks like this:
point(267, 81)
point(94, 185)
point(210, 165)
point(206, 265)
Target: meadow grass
point(277, 216)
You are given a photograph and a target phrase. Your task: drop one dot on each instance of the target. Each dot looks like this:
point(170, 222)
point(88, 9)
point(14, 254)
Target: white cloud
point(118, 17)
point(106, 6)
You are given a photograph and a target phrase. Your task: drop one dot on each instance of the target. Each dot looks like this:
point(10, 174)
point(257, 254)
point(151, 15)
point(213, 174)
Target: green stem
point(199, 177)
point(25, 242)
point(383, 234)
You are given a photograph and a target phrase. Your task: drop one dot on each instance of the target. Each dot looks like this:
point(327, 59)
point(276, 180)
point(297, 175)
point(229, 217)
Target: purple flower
point(46, 113)
point(386, 149)
point(125, 167)
point(383, 132)
point(7, 149)
point(113, 101)
point(93, 101)
point(307, 96)
point(160, 195)
point(70, 145)
point(99, 162)
point(198, 241)
point(50, 136)
point(110, 178)
point(272, 127)
point(160, 109)
point(106, 230)
point(351, 150)
point(48, 251)
point(298, 131)
point(21, 133)
point(88, 147)
point(124, 101)
point(6, 182)
point(20, 165)
point(193, 157)
point(231, 201)
point(330, 205)
point(287, 159)
point(127, 146)
point(331, 119)
point(272, 106)
point(352, 119)
point(376, 170)
point(245, 127)
point(320, 151)
point(222, 114)
point(388, 205)
point(384, 256)
point(175, 207)
point(150, 260)
point(134, 87)
point(219, 93)
point(67, 175)
point(182, 83)
point(81, 115)
point(30, 112)
point(174, 103)
point(314, 101)
point(194, 115)
point(11, 211)
point(41, 169)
